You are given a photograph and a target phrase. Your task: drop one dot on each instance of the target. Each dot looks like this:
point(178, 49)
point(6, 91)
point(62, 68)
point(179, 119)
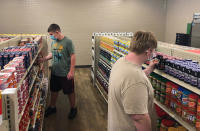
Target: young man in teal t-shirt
point(62, 72)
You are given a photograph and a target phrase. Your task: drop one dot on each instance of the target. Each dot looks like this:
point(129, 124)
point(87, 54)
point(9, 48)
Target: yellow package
point(181, 128)
point(172, 129)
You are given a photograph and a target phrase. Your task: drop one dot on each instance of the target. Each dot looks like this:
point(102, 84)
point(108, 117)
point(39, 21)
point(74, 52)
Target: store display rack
point(165, 48)
point(106, 45)
point(11, 118)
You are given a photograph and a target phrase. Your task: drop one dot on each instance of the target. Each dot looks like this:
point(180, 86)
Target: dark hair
point(143, 41)
point(54, 28)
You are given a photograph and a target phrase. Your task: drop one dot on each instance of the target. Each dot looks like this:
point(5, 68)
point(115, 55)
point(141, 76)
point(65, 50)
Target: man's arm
point(148, 70)
point(73, 61)
point(151, 67)
point(48, 57)
point(142, 122)
point(70, 75)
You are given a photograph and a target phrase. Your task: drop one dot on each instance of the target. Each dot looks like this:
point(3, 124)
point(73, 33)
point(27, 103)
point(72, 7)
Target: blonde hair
point(142, 41)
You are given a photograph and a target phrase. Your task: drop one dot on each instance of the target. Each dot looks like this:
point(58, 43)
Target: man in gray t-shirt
point(62, 71)
point(130, 95)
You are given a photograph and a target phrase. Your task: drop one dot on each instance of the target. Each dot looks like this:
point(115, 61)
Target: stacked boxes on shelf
point(104, 63)
point(4, 38)
point(183, 69)
point(28, 51)
point(121, 48)
point(180, 100)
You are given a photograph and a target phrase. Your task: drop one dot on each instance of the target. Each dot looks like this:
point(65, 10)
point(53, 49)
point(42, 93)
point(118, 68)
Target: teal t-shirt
point(61, 52)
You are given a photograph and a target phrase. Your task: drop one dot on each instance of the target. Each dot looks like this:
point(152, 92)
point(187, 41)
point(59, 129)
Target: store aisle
point(92, 110)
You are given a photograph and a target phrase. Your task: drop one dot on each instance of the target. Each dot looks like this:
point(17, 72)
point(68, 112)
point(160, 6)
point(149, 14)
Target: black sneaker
point(50, 111)
point(72, 113)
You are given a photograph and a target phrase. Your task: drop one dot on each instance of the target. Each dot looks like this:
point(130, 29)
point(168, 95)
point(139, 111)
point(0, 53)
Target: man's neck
point(61, 36)
point(135, 59)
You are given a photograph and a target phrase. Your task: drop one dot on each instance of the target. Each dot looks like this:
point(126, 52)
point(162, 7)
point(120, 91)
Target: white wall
point(80, 18)
point(179, 13)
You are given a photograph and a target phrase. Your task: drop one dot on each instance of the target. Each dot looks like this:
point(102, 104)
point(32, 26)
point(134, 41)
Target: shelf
point(36, 97)
point(38, 90)
point(102, 92)
point(28, 125)
point(102, 76)
point(29, 68)
point(105, 50)
point(119, 52)
point(177, 81)
point(44, 105)
point(36, 114)
point(20, 115)
point(175, 116)
point(102, 59)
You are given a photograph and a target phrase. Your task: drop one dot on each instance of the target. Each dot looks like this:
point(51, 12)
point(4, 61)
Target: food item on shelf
point(198, 107)
point(192, 104)
point(198, 121)
point(158, 85)
point(173, 103)
point(184, 113)
point(168, 87)
point(106, 55)
point(179, 93)
point(162, 98)
point(165, 124)
point(4, 38)
point(157, 95)
point(174, 90)
point(179, 108)
point(185, 97)
point(106, 46)
point(104, 69)
point(167, 100)
point(163, 86)
point(191, 117)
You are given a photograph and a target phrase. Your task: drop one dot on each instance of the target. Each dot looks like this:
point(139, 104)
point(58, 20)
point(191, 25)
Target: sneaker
point(50, 111)
point(72, 113)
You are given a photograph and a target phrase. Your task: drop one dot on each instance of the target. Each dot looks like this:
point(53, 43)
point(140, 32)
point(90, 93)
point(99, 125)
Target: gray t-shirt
point(61, 51)
point(130, 92)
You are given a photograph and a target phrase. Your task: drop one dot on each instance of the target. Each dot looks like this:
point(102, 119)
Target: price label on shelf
point(1, 117)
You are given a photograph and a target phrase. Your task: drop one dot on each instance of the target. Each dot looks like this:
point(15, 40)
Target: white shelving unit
point(168, 49)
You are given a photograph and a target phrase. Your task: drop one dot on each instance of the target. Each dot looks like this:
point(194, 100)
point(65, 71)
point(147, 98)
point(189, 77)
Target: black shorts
point(57, 83)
